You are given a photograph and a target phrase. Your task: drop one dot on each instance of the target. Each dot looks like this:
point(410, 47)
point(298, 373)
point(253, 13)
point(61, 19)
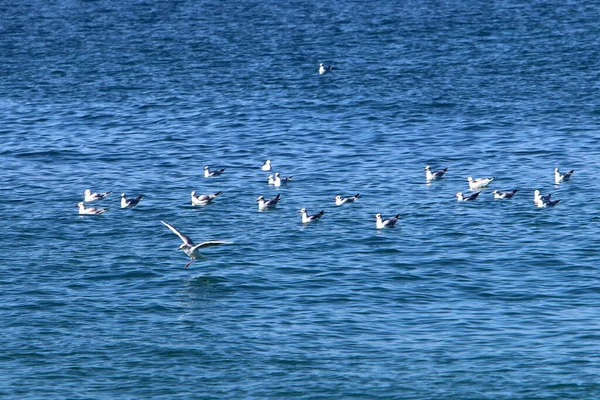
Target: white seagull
point(211, 174)
point(339, 200)
point(266, 166)
point(504, 195)
point(310, 218)
point(387, 223)
point(479, 183)
point(559, 177)
point(278, 180)
point(90, 210)
point(431, 175)
point(324, 68)
point(188, 246)
point(89, 196)
point(129, 203)
point(266, 204)
point(203, 199)
point(471, 197)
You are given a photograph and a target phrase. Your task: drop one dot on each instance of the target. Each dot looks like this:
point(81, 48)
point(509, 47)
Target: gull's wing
point(186, 239)
point(210, 244)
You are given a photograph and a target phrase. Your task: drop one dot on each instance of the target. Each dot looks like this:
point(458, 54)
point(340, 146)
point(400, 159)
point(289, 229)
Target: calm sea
point(476, 300)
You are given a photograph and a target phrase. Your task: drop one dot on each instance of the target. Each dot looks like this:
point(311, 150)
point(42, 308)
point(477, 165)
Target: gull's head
point(536, 192)
point(205, 167)
point(302, 211)
point(87, 192)
point(182, 247)
point(338, 198)
point(80, 204)
point(260, 198)
point(495, 192)
point(122, 194)
point(427, 168)
point(378, 215)
point(268, 162)
point(459, 195)
point(320, 64)
point(276, 174)
point(193, 193)
point(556, 169)
point(470, 179)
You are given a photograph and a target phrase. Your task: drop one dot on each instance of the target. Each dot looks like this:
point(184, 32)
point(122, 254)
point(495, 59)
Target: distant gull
point(431, 175)
point(479, 183)
point(504, 195)
point(188, 246)
point(471, 197)
point(266, 166)
point(278, 180)
point(339, 200)
point(324, 68)
point(203, 199)
point(211, 174)
point(386, 223)
point(310, 218)
point(558, 177)
point(129, 203)
point(89, 196)
point(90, 210)
point(267, 204)
point(545, 200)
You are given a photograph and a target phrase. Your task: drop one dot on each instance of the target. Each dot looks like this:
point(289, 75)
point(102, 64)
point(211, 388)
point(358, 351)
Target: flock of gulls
point(476, 185)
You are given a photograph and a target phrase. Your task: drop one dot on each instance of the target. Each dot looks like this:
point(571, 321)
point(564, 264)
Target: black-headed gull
point(339, 200)
point(386, 223)
point(479, 183)
point(211, 174)
point(266, 166)
point(310, 218)
point(504, 195)
point(325, 68)
point(559, 177)
point(89, 196)
point(90, 210)
point(278, 180)
point(431, 175)
point(203, 199)
point(129, 203)
point(470, 197)
point(188, 246)
point(267, 204)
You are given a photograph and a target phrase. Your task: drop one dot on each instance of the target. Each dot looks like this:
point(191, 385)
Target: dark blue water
point(480, 300)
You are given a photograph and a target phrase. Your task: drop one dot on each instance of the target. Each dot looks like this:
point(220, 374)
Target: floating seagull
point(558, 177)
point(278, 180)
point(544, 200)
point(504, 195)
point(431, 175)
point(479, 183)
point(266, 166)
point(129, 203)
point(270, 180)
point(460, 196)
point(89, 196)
point(266, 204)
point(211, 174)
point(203, 199)
point(339, 200)
point(310, 218)
point(387, 223)
point(188, 246)
point(324, 68)
point(90, 210)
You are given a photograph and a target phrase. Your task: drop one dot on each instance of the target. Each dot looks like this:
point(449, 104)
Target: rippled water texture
point(476, 300)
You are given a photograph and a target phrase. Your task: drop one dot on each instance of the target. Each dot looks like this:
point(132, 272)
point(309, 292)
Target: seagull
point(129, 203)
point(324, 68)
point(89, 196)
point(91, 210)
point(460, 196)
point(266, 166)
point(558, 177)
point(544, 200)
point(188, 246)
point(504, 195)
point(266, 204)
point(431, 175)
point(310, 218)
point(270, 180)
point(278, 180)
point(203, 199)
point(339, 200)
point(387, 223)
point(211, 174)
point(479, 183)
